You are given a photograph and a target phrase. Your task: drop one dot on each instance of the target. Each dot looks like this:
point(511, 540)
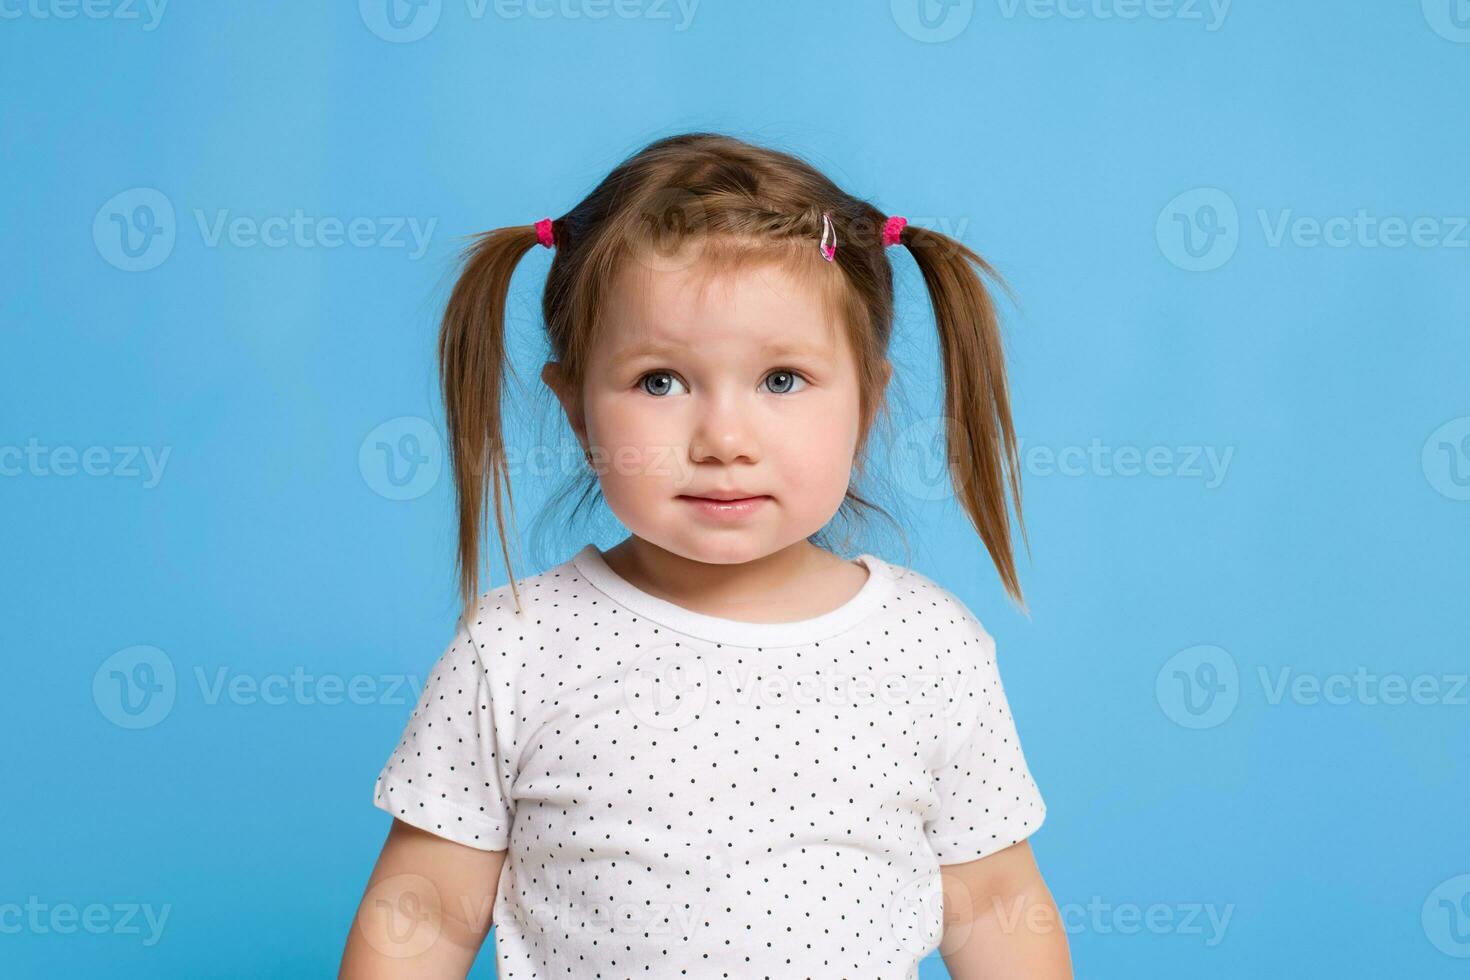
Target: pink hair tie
point(893, 230)
point(544, 234)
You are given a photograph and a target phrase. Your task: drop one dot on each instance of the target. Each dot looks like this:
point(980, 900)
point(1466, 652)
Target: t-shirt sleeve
point(987, 798)
point(450, 774)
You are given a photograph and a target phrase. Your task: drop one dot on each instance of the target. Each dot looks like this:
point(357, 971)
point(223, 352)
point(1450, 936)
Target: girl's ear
point(556, 380)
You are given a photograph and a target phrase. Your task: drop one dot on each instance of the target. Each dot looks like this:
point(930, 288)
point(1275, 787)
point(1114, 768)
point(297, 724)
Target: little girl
point(716, 749)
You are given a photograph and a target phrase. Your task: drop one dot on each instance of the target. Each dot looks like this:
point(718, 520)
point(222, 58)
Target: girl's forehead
point(765, 304)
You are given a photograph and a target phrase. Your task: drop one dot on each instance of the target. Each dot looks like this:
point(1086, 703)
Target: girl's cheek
point(822, 436)
point(617, 424)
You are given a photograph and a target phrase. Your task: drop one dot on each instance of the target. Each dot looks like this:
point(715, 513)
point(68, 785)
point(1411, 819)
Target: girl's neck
point(798, 582)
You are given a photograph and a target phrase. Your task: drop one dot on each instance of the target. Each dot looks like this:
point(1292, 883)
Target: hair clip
point(829, 251)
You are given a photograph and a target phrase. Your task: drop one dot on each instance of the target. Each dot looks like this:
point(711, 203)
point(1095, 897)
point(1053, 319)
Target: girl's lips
point(725, 510)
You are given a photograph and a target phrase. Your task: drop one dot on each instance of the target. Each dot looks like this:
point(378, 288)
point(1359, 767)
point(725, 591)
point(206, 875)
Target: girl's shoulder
point(551, 594)
point(924, 593)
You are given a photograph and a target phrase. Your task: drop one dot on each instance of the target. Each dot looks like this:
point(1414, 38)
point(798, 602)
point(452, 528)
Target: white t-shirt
point(688, 796)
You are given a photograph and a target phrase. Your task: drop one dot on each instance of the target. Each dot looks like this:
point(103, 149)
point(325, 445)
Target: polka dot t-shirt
point(682, 795)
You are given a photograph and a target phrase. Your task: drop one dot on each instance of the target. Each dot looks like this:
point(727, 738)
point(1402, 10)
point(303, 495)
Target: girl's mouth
point(725, 510)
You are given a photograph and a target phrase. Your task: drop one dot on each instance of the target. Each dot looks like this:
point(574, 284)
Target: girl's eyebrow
point(788, 348)
point(647, 350)
point(783, 348)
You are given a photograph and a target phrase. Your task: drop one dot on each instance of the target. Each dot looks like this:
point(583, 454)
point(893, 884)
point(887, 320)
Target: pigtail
point(472, 362)
point(981, 439)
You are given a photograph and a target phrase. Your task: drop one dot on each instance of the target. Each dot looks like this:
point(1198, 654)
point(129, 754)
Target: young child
point(716, 749)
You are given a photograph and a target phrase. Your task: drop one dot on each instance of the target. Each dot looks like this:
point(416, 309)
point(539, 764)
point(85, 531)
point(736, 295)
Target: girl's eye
point(657, 383)
point(661, 383)
point(785, 382)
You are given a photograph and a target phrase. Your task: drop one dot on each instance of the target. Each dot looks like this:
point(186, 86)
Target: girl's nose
point(724, 432)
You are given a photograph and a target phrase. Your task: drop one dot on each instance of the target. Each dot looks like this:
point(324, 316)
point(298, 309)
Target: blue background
point(1073, 151)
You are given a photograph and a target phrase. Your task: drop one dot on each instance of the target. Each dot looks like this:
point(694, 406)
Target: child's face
point(754, 389)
